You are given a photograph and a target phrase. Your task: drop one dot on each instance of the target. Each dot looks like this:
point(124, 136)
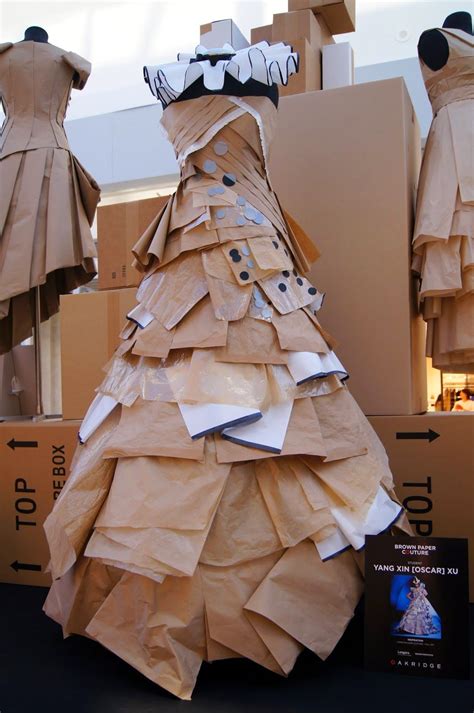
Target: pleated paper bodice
point(35, 84)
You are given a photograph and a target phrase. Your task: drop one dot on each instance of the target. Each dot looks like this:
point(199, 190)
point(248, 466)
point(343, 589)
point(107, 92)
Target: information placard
point(416, 606)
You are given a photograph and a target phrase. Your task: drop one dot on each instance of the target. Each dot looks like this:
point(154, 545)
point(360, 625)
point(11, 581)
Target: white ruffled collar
point(268, 64)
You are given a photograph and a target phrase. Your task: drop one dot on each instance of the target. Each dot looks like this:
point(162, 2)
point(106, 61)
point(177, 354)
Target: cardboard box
point(301, 25)
point(220, 32)
point(308, 78)
point(338, 65)
point(344, 163)
point(261, 34)
point(90, 327)
point(432, 461)
point(339, 15)
point(119, 226)
point(35, 461)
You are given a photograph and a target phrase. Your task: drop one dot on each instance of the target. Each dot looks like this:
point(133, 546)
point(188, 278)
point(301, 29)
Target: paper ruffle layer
point(268, 64)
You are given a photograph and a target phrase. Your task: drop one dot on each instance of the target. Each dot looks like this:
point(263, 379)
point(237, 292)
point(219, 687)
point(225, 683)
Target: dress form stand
point(37, 34)
point(39, 412)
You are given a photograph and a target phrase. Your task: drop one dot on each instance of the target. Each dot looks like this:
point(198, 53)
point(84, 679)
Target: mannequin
point(433, 47)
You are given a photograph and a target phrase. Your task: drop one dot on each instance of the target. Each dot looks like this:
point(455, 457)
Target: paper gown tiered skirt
point(227, 479)
point(444, 238)
point(47, 204)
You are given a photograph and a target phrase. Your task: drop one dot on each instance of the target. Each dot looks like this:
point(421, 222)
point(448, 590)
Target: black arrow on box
point(21, 444)
point(428, 435)
point(25, 566)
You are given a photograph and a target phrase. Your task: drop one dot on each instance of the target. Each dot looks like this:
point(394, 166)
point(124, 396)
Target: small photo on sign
point(416, 606)
point(415, 613)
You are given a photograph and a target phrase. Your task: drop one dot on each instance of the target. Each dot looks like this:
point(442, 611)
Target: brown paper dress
point(218, 504)
point(47, 199)
point(443, 241)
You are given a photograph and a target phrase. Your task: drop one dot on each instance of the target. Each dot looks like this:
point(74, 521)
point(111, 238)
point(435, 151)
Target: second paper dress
point(228, 478)
point(47, 198)
point(443, 241)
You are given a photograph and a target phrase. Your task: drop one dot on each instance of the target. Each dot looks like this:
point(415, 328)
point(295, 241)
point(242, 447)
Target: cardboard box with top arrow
point(432, 462)
point(35, 460)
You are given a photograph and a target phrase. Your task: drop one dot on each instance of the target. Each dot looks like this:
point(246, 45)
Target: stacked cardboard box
point(340, 15)
point(348, 174)
point(307, 34)
point(118, 228)
point(90, 327)
point(91, 321)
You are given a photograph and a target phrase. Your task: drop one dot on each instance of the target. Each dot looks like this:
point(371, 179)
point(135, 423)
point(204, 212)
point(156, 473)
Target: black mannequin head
point(459, 21)
point(433, 47)
point(36, 34)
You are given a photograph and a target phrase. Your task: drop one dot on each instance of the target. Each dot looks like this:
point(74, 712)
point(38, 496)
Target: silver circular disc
point(240, 220)
point(210, 166)
point(220, 148)
point(220, 213)
point(241, 200)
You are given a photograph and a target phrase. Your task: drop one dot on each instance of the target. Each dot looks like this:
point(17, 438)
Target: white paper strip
point(268, 433)
point(96, 414)
point(352, 528)
point(382, 513)
point(304, 366)
point(332, 546)
point(140, 316)
point(202, 419)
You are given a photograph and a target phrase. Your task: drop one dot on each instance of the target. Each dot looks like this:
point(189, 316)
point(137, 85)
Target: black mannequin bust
point(35, 34)
point(433, 47)
point(38, 34)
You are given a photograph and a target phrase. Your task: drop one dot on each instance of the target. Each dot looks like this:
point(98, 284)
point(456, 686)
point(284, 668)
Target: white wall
point(409, 69)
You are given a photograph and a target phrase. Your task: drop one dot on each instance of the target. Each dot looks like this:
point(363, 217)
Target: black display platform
point(39, 671)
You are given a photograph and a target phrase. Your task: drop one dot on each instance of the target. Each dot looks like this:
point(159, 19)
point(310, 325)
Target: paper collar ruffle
point(268, 64)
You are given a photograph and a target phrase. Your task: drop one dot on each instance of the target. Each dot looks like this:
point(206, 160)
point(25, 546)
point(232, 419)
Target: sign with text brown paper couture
point(416, 606)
